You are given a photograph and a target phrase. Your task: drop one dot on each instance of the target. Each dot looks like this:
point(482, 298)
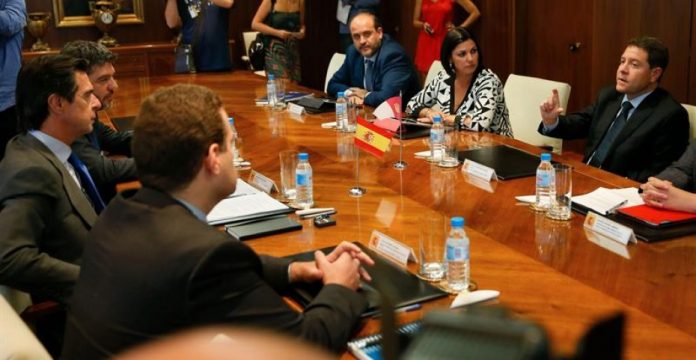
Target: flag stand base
point(400, 165)
point(357, 191)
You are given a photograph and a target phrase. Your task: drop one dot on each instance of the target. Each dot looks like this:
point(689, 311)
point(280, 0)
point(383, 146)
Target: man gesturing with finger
point(635, 128)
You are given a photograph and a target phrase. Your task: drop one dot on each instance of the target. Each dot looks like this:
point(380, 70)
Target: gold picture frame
point(71, 13)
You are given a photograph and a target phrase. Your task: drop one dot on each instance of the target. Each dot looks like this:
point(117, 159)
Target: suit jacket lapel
point(77, 198)
point(607, 118)
point(639, 116)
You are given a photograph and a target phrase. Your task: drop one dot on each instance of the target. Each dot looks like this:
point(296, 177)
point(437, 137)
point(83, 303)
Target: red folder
point(657, 217)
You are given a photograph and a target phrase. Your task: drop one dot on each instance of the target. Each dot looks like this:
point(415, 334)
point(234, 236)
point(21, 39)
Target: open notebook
point(246, 203)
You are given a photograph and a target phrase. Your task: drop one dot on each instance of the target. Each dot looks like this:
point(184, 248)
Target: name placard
point(480, 171)
point(610, 229)
point(295, 109)
point(262, 182)
point(390, 248)
point(608, 244)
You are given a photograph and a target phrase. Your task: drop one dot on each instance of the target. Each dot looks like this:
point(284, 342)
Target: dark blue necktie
point(368, 74)
point(87, 183)
point(619, 123)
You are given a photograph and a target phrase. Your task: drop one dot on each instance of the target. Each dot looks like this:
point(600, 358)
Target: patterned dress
point(283, 56)
point(484, 104)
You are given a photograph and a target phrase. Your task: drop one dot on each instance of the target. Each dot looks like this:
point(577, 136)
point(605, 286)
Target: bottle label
point(437, 136)
point(457, 253)
point(303, 179)
point(544, 178)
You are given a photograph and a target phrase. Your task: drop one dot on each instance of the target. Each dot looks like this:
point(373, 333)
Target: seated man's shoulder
point(22, 178)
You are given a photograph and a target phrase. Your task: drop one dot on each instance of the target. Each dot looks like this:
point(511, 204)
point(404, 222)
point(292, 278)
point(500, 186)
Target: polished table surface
point(547, 271)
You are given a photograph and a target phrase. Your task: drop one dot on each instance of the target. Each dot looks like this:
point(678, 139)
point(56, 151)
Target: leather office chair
point(691, 110)
point(248, 37)
point(16, 339)
point(335, 64)
point(435, 68)
point(523, 94)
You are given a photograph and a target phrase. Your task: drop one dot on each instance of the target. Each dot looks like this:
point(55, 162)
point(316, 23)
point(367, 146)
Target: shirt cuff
point(549, 128)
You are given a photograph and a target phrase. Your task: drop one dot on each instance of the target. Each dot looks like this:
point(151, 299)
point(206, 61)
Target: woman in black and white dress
point(465, 93)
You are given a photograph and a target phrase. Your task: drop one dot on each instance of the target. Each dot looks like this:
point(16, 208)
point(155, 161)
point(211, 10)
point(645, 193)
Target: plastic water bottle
point(437, 138)
point(235, 135)
point(271, 91)
point(303, 182)
point(351, 116)
point(457, 256)
point(545, 184)
point(341, 112)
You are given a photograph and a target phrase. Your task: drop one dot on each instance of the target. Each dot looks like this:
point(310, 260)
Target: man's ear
point(55, 103)
point(655, 73)
point(211, 162)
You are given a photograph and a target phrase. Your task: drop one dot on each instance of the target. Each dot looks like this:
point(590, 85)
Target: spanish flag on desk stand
point(372, 138)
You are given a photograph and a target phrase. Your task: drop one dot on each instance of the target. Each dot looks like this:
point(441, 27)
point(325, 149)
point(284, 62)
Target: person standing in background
point(282, 23)
point(205, 26)
point(434, 19)
point(345, 40)
point(13, 17)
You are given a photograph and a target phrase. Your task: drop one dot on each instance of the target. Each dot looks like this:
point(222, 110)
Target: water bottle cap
point(341, 94)
point(231, 120)
point(271, 77)
point(437, 119)
point(457, 221)
point(303, 156)
point(546, 157)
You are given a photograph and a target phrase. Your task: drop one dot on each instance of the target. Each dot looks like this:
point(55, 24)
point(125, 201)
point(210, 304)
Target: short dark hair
point(453, 38)
point(172, 133)
point(37, 80)
point(93, 52)
point(377, 21)
point(658, 54)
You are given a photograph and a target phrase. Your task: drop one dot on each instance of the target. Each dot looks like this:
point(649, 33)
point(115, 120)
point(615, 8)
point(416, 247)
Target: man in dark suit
point(376, 68)
point(154, 266)
point(106, 170)
point(675, 187)
point(44, 214)
point(634, 129)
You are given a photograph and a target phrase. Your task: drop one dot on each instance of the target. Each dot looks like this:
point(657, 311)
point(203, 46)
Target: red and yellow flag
point(372, 138)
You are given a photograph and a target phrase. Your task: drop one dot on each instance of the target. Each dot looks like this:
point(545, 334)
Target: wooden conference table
point(547, 271)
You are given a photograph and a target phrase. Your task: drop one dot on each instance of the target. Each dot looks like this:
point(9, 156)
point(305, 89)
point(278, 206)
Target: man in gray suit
point(106, 170)
point(44, 214)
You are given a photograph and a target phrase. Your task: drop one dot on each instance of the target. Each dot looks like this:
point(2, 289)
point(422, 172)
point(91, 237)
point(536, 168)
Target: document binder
point(264, 227)
point(410, 289)
point(508, 162)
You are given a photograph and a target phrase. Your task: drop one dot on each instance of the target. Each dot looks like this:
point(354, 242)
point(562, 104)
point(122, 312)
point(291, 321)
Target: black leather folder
point(314, 105)
point(409, 288)
point(264, 227)
point(412, 131)
point(508, 162)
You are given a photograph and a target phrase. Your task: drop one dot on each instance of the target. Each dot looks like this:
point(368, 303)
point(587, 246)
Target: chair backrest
point(248, 37)
point(523, 94)
point(335, 64)
point(19, 300)
point(691, 110)
point(16, 339)
point(435, 68)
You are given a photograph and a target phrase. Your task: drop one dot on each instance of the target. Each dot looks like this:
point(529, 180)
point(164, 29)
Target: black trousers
point(8, 128)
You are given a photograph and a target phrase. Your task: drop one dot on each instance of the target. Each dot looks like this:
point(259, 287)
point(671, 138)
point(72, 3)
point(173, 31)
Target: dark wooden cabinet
point(134, 60)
